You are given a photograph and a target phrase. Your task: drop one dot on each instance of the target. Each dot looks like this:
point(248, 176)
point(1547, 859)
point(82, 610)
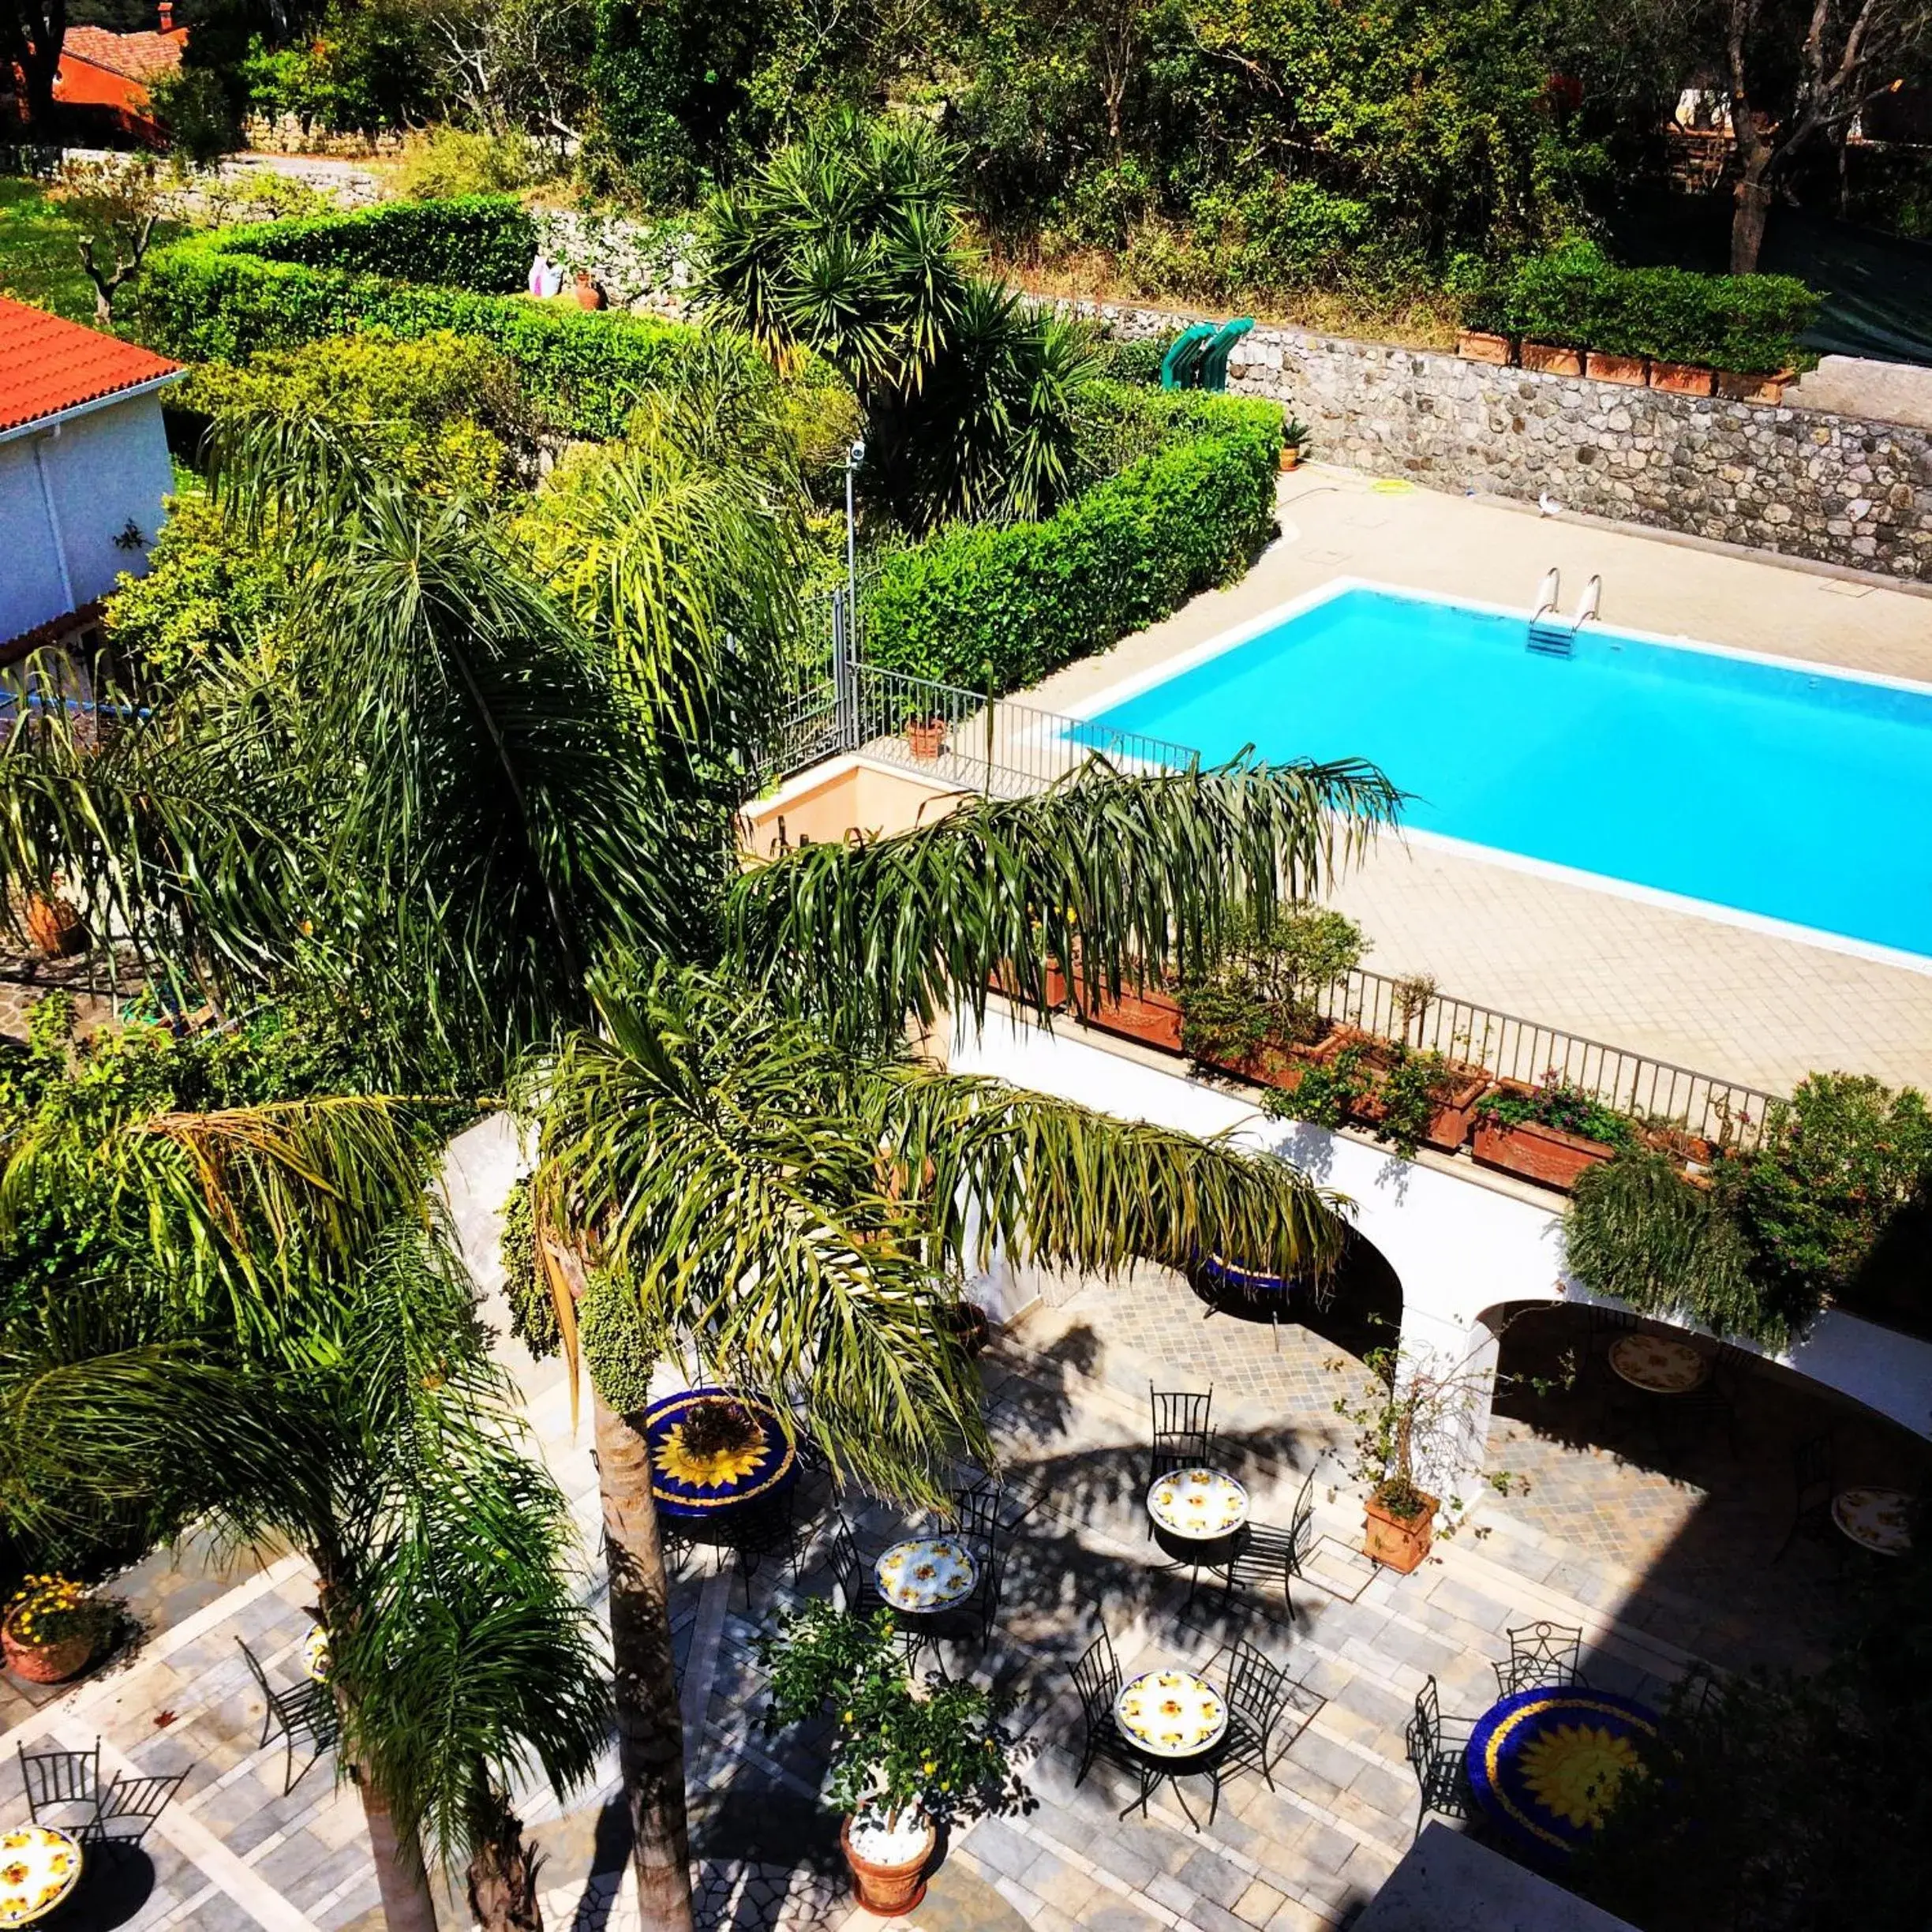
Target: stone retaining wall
point(1802, 482)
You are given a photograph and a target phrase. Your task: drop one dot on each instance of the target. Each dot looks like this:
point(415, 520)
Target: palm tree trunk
point(503, 1875)
point(400, 1877)
point(650, 1734)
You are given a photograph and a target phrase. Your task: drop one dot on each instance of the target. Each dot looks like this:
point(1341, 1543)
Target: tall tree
point(1801, 73)
point(31, 34)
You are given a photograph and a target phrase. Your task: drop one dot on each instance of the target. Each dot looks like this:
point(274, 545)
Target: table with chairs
point(1177, 1721)
point(78, 1826)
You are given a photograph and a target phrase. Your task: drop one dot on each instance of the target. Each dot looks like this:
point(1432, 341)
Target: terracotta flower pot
point(1479, 346)
point(888, 1891)
point(1546, 1155)
point(1682, 378)
point(927, 736)
point(1399, 1543)
point(1548, 359)
point(589, 295)
point(1152, 1016)
point(1291, 456)
point(1740, 388)
point(54, 927)
point(1632, 371)
point(50, 1663)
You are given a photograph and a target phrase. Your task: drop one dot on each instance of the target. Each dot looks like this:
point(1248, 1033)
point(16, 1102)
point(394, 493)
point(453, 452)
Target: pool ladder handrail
point(1550, 638)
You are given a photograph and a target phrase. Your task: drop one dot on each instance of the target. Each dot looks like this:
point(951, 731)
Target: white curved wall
point(1459, 1247)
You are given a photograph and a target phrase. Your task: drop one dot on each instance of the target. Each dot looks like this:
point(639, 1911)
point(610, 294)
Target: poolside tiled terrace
point(1751, 1006)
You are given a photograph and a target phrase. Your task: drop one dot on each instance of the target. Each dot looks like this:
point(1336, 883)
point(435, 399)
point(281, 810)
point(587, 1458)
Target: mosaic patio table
point(1545, 1763)
point(39, 1867)
point(316, 1655)
point(1170, 1713)
point(1875, 1519)
point(926, 1573)
point(691, 1489)
point(1658, 1365)
point(1199, 1505)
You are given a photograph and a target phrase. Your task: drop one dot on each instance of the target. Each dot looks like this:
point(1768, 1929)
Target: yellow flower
point(847, 1718)
point(930, 1765)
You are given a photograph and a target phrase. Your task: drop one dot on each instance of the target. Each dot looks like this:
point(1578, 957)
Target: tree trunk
point(650, 1735)
point(1747, 219)
point(503, 1875)
point(406, 1904)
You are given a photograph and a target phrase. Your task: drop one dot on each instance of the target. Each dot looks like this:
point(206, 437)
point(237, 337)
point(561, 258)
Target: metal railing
point(1509, 1048)
point(966, 739)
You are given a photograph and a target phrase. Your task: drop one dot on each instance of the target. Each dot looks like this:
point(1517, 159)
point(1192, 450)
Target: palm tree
point(449, 811)
point(358, 1415)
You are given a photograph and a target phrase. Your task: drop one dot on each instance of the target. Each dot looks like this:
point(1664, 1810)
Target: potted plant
point(1148, 1011)
point(1682, 378)
point(53, 924)
point(1605, 366)
point(1476, 345)
point(1294, 442)
point(54, 1628)
point(1417, 1099)
point(925, 733)
point(1256, 1010)
point(1552, 359)
point(1549, 1133)
point(1418, 1412)
point(906, 1757)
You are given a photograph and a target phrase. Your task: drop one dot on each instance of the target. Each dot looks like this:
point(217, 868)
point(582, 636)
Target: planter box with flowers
point(906, 1757)
point(54, 1628)
point(1548, 1134)
point(1415, 1098)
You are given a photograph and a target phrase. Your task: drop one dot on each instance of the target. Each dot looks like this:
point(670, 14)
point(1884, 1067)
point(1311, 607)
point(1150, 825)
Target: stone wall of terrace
point(1798, 481)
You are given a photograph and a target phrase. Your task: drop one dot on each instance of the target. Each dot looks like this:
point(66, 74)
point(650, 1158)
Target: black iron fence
point(967, 739)
point(1509, 1047)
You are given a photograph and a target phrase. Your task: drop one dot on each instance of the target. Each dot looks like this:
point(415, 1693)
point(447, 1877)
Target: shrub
point(223, 298)
point(1557, 1103)
point(1575, 296)
point(483, 242)
point(1266, 981)
point(446, 163)
point(1004, 605)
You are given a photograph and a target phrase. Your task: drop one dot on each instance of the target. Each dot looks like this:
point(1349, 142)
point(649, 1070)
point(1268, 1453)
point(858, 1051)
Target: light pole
point(846, 673)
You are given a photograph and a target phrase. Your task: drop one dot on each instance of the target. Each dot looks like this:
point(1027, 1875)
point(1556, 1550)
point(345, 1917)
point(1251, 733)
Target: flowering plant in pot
point(1549, 1133)
point(1256, 1009)
point(54, 1628)
point(906, 1757)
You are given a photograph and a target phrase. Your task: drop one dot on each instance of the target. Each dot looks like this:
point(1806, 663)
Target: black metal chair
point(1813, 1484)
point(1541, 1655)
point(128, 1808)
point(1264, 1552)
point(1097, 1682)
point(305, 1711)
point(1181, 1436)
point(1435, 1745)
point(63, 1787)
point(1257, 1694)
point(763, 1530)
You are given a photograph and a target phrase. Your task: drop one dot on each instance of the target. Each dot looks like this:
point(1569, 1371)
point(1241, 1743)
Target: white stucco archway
point(1460, 1246)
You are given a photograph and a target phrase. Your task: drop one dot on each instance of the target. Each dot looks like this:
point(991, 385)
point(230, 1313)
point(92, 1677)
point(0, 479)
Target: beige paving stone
point(1259, 1904)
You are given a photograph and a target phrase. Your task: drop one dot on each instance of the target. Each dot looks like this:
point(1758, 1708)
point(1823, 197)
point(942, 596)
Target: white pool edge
point(1086, 710)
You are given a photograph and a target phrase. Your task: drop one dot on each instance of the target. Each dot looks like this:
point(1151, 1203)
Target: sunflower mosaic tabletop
point(696, 1487)
point(1171, 1713)
point(927, 1573)
point(1200, 1504)
point(1545, 1763)
point(38, 1867)
point(316, 1655)
point(1659, 1366)
point(1877, 1519)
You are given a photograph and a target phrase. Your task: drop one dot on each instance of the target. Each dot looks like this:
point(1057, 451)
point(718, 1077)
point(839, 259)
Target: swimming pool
point(1765, 786)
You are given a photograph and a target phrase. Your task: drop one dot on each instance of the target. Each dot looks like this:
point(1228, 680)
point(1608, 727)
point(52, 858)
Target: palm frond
point(1054, 1182)
point(1107, 876)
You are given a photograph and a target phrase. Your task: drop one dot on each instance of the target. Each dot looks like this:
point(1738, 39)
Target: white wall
point(1459, 1247)
point(104, 469)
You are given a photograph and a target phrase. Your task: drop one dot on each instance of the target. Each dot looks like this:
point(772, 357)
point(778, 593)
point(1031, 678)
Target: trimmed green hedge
point(483, 242)
point(221, 298)
point(1576, 298)
point(1010, 603)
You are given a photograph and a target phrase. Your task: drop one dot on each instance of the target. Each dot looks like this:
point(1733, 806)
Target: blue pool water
point(1775, 790)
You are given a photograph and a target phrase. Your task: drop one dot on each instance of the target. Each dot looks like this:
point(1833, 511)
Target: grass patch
point(39, 254)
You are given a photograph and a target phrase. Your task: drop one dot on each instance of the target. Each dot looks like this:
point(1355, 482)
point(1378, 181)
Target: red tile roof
point(139, 56)
point(47, 365)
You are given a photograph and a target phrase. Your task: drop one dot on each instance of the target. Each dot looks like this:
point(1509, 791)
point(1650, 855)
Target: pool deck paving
point(1760, 1008)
